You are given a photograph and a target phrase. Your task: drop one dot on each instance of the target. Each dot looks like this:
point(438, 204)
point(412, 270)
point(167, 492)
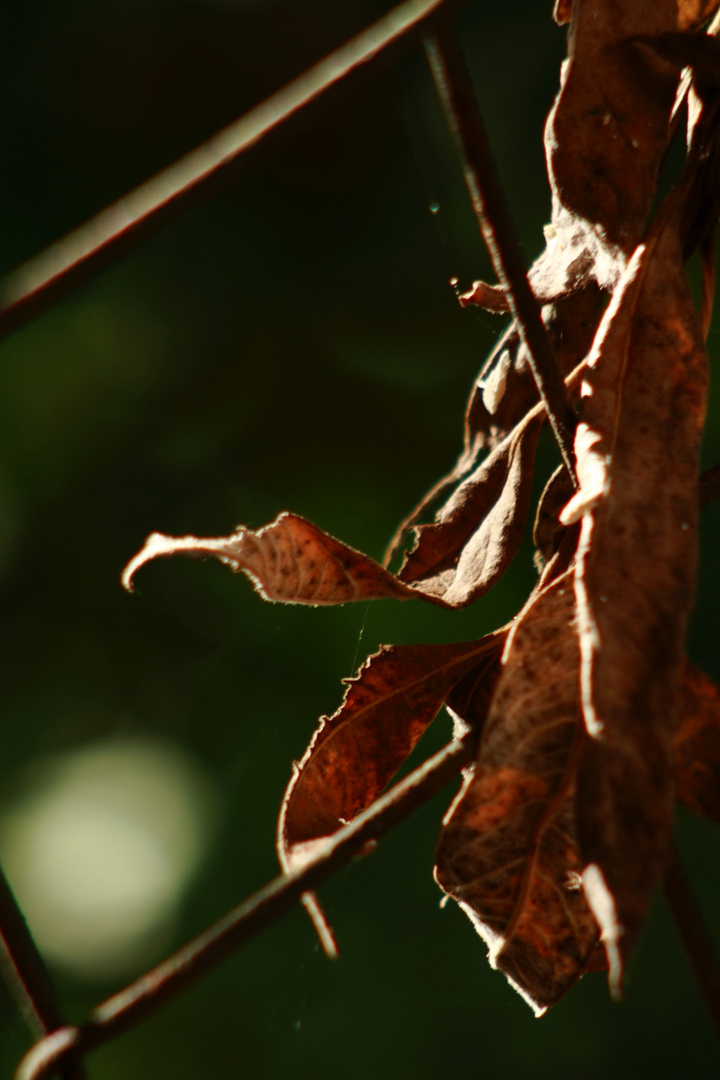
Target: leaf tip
point(156, 544)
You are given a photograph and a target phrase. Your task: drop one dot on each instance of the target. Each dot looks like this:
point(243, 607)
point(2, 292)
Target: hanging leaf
point(644, 398)
point(508, 850)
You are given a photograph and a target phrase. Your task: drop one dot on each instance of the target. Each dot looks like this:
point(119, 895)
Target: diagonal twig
point(125, 224)
point(699, 946)
point(455, 90)
point(26, 977)
point(146, 994)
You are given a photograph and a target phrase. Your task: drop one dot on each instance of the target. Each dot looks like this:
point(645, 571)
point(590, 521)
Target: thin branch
point(26, 976)
point(148, 993)
point(699, 946)
point(125, 224)
point(455, 90)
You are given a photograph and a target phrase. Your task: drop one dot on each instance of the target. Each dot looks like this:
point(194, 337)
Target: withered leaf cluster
point(591, 722)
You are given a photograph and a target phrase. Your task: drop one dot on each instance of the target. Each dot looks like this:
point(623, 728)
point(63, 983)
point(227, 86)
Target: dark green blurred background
point(292, 344)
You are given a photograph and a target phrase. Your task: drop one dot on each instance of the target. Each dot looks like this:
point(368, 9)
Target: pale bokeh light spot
point(100, 849)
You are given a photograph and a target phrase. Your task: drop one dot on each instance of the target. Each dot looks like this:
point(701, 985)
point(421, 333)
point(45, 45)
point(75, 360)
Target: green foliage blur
point(291, 344)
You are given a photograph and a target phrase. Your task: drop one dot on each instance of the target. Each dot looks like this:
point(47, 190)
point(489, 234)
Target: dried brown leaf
point(290, 560)
point(696, 745)
point(637, 450)
point(505, 386)
point(354, 753)
point(609, 128)
point(478, 531)
point(508, 852)
point(505, 389)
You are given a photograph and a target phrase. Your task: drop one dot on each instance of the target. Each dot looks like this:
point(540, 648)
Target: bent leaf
point(290, 560)
point(696, 745)
point(478, 531)
point(354, 753)
point(508, 851)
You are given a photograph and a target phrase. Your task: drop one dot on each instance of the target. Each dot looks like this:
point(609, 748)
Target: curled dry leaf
point(503, 394)
point(290, 560)
point(609, 128)
point(294, 562)
point(696, 745)
point(478, 531)
point(638, 451)
point(354, 753)
point(505, 389)
point(508, 851)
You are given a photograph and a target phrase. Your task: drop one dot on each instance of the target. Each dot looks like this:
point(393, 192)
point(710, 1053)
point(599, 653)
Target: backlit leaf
point(354, 753)
point(291, 560)
point(644, 399)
